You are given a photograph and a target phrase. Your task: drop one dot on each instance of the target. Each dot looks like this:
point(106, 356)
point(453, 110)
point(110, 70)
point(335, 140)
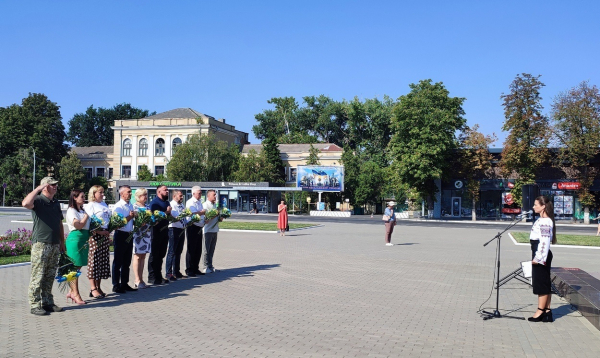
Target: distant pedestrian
point(389, 218)
point(543, 235)
point(48, 241)
point(254, 208)
point(282, 219)
point(78, 223)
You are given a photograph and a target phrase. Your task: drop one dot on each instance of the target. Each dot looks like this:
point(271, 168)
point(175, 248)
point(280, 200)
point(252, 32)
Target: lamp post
point(308, 201)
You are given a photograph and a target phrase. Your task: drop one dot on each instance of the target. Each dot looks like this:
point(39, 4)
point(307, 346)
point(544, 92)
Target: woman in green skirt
point(76, 243)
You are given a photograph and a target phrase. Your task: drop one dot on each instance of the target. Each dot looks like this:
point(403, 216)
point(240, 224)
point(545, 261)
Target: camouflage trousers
point(44, 262)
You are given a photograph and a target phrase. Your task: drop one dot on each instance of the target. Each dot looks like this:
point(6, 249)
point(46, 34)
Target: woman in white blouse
point(79, 224)
point(543, 234)
point(99, 254)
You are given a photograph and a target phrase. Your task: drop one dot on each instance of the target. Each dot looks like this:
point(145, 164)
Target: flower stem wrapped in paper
point(225, 213)
point(142, 217)
point(66, 272)
point(193, 219)
point(95, 224)
point(181, 217)
point(117, 221)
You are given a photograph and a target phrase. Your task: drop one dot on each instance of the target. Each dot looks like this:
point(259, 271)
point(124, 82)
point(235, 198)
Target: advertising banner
point(320, 178)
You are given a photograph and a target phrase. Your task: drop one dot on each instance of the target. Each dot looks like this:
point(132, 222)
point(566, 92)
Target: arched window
point(160, 147)
point(143, 147)
point(127, 148)
point(176, 143)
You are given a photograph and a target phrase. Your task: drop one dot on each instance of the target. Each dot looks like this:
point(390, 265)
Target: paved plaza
point(331, 291)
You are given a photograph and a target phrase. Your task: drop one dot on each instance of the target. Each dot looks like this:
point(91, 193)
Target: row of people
point(92, 250)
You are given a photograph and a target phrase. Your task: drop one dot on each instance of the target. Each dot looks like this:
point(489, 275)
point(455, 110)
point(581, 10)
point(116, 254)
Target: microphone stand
point(496, 313)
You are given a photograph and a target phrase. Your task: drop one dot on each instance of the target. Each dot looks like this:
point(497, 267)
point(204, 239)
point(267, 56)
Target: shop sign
point(167, 183)
point(510, 185)
point(507, 199)
point(511, 210)
point(458, 184)
point(569, 186)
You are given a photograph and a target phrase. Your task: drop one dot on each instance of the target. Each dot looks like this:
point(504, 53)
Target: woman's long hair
point(72, 199)
point(549, 210)
point(93, 191)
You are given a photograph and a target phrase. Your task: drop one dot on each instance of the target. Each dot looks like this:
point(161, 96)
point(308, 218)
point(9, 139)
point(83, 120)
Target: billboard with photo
point(320, 178)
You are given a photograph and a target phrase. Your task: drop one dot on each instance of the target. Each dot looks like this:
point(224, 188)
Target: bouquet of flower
point(157, 217)
point(193, 219)
point(225, 213)
point(66, 272)
point(211, 214)
point(117, 221)
point(181, 217)
point(141, 218)
point(95, 223)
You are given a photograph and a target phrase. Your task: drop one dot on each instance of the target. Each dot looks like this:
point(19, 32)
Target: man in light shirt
point(211, 228)
point(176, 238)
point(123, 250)
point(194, 234)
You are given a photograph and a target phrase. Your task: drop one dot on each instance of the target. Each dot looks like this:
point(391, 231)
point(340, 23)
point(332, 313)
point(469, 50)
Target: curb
point(561, 246)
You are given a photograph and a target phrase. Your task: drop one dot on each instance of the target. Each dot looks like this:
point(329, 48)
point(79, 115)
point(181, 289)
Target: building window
point(126, 172)
point(293, 174)
point(110, 173)
point(143, 147)
point(176, 143)
point(127, 148)
point(160, 147)
point(159, 170)
point(99, 172)
point(89, 173)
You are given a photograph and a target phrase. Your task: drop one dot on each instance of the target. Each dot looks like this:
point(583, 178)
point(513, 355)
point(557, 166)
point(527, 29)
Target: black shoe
point(178, 275)
point(165, 281)
point(192, 275)
point(539, 318)
point(200, 273)
point(38, 311)
point(171, 278)
point(52, 308)
point(548, 317)
point(126, 287)
point(118, 289)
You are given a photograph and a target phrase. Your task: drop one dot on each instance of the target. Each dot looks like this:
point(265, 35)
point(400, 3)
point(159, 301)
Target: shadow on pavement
point(407, 243)
point(171, 290)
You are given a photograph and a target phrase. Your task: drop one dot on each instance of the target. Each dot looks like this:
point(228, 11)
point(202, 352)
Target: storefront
point(455, 201)
point(237, 196)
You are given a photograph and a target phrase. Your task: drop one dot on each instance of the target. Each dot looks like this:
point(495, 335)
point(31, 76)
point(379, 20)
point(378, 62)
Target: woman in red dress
point(282, 220)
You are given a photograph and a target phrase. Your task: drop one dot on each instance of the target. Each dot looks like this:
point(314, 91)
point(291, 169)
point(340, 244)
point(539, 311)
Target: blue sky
point(227, 58)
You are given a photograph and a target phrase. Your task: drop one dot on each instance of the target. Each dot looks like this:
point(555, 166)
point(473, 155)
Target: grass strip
point(563, 239)
point(7, 260)
point(243, 225)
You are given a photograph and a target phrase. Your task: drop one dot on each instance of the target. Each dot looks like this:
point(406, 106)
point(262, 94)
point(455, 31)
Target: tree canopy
point(424, 126)
point(93, 127)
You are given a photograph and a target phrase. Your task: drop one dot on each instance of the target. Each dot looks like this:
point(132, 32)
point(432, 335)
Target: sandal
point(96, 297)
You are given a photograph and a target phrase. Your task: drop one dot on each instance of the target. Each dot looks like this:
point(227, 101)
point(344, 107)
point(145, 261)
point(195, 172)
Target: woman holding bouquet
point(79, 224)
point(142, 237)
point(282, 220)
point(99, 253)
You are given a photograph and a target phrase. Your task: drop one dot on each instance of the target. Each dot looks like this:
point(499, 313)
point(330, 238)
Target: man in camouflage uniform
point(48, 241)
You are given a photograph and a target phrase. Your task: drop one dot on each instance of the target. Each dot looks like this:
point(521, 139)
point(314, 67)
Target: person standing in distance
point(48, 241)
point(123, 250)
point(390, 212)
point(211, 228)
point(176, 238)
point(160, 237)
point(194, 234)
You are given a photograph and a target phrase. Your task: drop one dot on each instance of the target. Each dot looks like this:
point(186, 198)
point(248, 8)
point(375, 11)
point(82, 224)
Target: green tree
point(17, 172)
point(313, 156)
point(424, 126)
point(324, 119)
point(475, 160)
point(253, 168)
point(203, 158)
point(525, 147)
point(94, 126)
point(370, 183)
point(71, 175)
point(36, 123)
point(278, 122)
point(576, 117)
point(352, 170)
point(144, 173)
point(273, 156)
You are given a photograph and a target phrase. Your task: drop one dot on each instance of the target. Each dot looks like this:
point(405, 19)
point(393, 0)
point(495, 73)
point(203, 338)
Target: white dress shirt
point(176, 209)
point(123, 207)
point(195, 206)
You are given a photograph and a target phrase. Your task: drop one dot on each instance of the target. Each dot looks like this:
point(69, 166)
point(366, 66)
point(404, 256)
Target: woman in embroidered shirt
point(390, 223)
point(543, 233)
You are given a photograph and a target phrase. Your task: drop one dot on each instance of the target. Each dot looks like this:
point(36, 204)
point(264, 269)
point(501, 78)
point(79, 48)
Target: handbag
point(385, 218)
point(287, 227)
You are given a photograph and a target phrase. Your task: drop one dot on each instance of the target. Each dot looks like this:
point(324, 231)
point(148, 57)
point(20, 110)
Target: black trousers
point(123, 251)
point(158, 250)
point(194, 249)
point(176, 240)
